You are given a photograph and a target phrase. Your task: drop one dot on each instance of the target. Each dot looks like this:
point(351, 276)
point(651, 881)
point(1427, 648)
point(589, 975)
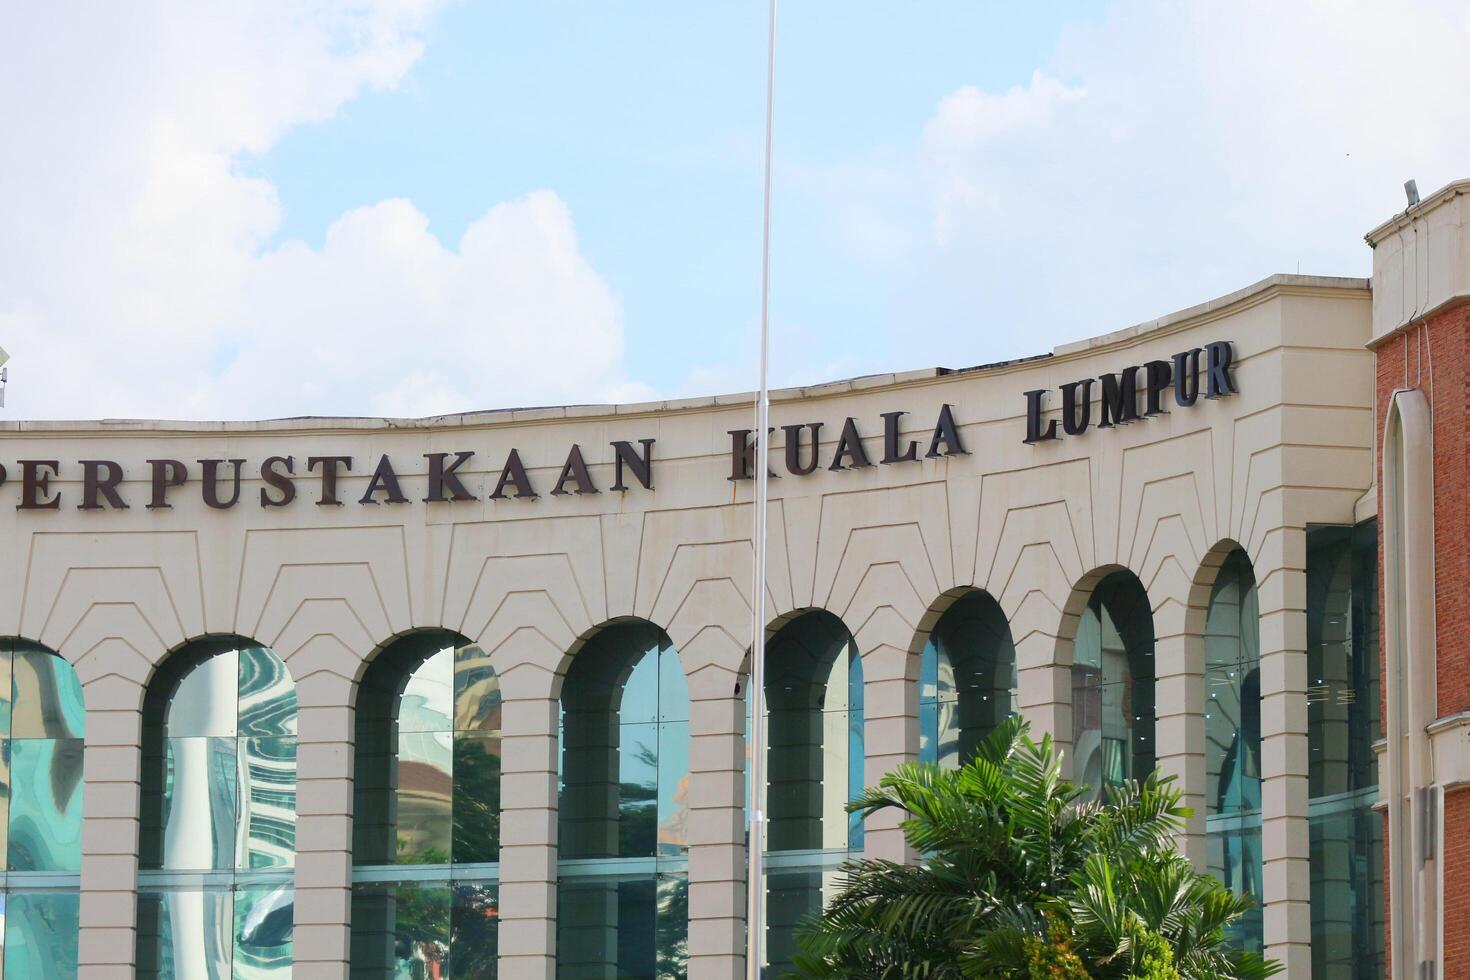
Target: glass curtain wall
point(41, 730)
point(1233, 739)
point(623, 842)
point(1113, 686)
point(218, 833)
point(814, 765)
point(1343, 721)
point(426, 818)
point(967, 680)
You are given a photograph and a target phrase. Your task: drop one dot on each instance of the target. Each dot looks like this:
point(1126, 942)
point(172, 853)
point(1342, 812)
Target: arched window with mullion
point(967, 679)
point(218, 831)
point(1113, 686)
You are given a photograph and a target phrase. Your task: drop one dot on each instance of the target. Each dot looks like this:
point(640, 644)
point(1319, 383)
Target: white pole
point(755, 691)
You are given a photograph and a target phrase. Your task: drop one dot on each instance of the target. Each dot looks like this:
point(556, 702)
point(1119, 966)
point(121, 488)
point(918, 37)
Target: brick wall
point(1435, 356)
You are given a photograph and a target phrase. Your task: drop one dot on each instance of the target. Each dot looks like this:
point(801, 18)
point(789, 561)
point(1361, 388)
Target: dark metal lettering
point(442, 478)
point(167, 474)
point(35, 484)
point(1186, 377)
point(384, 481)
point(1075, 422)
point(1119, 398)
point(100, 478)
point(575, 470)
point(891, 453)
point(211, 483)
point(272, 477)
point(514, 472)
point(1034, 431)
point(329, 466)
point(794, 465)
point(946, 432)
point(1158, 375)
point(641, 466)
point(1221, 356)
point(742, 454)
point(849, 446)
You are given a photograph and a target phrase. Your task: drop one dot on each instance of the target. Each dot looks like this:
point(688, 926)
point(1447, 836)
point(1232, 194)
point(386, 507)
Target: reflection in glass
point(1343, 721)
point(1233, 739)
point(41, 731)
point(41, 930)
point(967, 680)
point(45, 804)
point(400, 930)
point(624, 799)
point(427, 797)
point(219, 799)
point(1113, 686)
point(814, 761)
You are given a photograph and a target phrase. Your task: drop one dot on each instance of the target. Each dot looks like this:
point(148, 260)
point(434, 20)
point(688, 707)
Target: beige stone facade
point(881, 547)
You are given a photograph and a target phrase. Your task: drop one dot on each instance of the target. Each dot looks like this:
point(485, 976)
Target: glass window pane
point(476, 797)
point(45, 804)
point(6, 648)
point(207, 700)
point(48, 696)
point(427, 704)
point(6, 792)
point(639, 702)
point(41, 931)
point(400, 930)
point(263, 930)
point(185, 933)
point(673, 789)
point(476, 691)
point(267, 696)
point(424, 795)
point(200, 804)
point(673, 688)
point(474, 933)
point(267, 781)
point(634, 927)
point(637, 790)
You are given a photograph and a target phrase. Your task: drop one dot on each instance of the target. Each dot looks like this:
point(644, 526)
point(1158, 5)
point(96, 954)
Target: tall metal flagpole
point(756, 689)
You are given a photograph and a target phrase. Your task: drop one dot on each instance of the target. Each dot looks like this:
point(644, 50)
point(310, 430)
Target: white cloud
point(1165, 155)
point(135, 278)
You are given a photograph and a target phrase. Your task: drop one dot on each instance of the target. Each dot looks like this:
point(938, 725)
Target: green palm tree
point(1021, 879)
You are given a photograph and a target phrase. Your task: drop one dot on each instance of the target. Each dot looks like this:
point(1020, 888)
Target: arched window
point(218, 834)
point(41, 727)
point(967, 679)
point(814, 765)
point(426, 817)
point(1233, 738)
point(1113, 686)
point(623, 843)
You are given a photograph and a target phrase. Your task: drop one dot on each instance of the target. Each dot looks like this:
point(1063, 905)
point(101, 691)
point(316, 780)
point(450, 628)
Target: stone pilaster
point(1179, 714)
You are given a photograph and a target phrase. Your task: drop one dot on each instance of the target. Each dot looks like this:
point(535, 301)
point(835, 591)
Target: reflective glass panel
point(206, 701)
point(263, 931)
point(400, 931)
point(673, 789)
point(267, 697)
point(45, 804)
point(967, 680)
point(5, 793)
point(267, 792)
point(7, 651)
point(633, 926)
point(476, 691)
point(1233, 739)
point(185, 933)
point(474, 931)
point(425, 796)
point(476, 797)
point(1113, 686)
point(428, 697)
point(200, 804)
point(41, 930)
point(1343, 721)
point(48, 696)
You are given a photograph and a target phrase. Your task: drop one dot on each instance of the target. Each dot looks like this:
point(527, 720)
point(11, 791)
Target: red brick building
point(1421, 339)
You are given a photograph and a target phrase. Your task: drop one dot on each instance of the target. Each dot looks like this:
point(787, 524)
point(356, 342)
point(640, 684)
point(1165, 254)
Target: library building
point(465, 697)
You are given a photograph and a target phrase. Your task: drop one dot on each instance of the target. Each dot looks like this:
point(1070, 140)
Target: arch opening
point(426, 810)
point(622, 875)
point(217, 838)
point(967, 679)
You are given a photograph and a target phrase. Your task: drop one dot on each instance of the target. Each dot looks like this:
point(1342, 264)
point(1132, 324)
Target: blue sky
point(406, 207)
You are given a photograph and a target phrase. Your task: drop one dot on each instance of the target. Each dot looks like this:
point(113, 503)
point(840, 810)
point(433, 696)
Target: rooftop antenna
point(1411, 191)
point(755, 691)
point(4, 375)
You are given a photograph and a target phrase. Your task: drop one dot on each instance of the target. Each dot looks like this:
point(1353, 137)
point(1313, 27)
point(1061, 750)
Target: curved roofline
point(1191, 316)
